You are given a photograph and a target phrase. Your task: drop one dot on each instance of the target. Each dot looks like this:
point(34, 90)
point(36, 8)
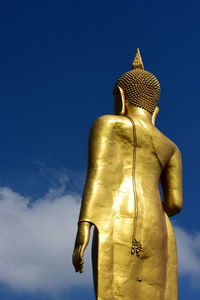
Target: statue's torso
point(123, 201)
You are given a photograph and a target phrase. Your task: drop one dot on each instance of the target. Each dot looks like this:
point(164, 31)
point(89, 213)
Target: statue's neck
point(139, 113)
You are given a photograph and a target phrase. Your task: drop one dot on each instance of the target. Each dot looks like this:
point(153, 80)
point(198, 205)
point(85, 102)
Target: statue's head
point(137, 87)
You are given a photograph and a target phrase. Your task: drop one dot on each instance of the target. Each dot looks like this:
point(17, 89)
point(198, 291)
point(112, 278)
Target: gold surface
point(134, 247)
point(137, 62)
point(141, 88)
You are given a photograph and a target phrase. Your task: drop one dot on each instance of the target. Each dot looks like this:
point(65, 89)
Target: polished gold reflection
point(134, 247)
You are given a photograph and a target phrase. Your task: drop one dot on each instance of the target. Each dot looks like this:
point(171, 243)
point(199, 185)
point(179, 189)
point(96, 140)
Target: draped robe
point(128, 157)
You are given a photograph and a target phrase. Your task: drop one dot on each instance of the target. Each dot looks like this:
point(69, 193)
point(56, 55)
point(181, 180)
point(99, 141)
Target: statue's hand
point(82, 239)
point(156, 111)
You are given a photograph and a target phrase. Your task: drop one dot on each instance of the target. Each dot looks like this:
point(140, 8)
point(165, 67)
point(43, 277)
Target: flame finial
point(137, 62)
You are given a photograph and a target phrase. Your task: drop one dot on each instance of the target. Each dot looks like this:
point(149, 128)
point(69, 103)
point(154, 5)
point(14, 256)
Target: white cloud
point(36, 242)
point(37, 239)
point(189, 254)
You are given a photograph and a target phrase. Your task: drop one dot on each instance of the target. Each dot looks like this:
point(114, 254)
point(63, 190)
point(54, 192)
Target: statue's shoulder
point(167, 141)
point(108, 125)
point(111, 121)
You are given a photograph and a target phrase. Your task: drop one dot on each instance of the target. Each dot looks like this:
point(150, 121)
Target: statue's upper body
point(110, 156)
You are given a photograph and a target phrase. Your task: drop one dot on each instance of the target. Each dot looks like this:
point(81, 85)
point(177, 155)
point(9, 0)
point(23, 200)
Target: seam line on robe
point(136, 245)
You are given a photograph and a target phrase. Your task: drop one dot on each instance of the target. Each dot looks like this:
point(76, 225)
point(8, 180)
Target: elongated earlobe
point(119, 101)
point(122, 97)
point(156, 111)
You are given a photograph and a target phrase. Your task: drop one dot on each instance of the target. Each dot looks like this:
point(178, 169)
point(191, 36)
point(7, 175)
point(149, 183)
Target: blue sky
point(59, 61)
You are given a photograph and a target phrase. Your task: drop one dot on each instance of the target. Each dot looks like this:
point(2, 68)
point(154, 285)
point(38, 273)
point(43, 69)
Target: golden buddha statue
point(134, 249)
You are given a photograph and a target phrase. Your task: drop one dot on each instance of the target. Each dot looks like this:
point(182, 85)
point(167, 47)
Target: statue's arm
point(97, 152)
point(82, 240)
point(171, 181)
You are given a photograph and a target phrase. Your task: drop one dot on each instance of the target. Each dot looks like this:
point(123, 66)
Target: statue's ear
point(119, 100)
point(156, 111)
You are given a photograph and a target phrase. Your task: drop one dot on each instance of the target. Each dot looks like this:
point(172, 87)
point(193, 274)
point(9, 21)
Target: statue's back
point(127, 159)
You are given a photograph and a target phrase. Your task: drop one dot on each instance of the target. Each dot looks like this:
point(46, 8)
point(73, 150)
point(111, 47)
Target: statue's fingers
point(76, 260)
point(74, 257)
point(81, 266)
point(82, 252)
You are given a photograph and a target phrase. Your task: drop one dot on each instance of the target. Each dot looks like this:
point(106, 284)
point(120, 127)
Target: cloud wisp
point(36, 242)
point(189, 255)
